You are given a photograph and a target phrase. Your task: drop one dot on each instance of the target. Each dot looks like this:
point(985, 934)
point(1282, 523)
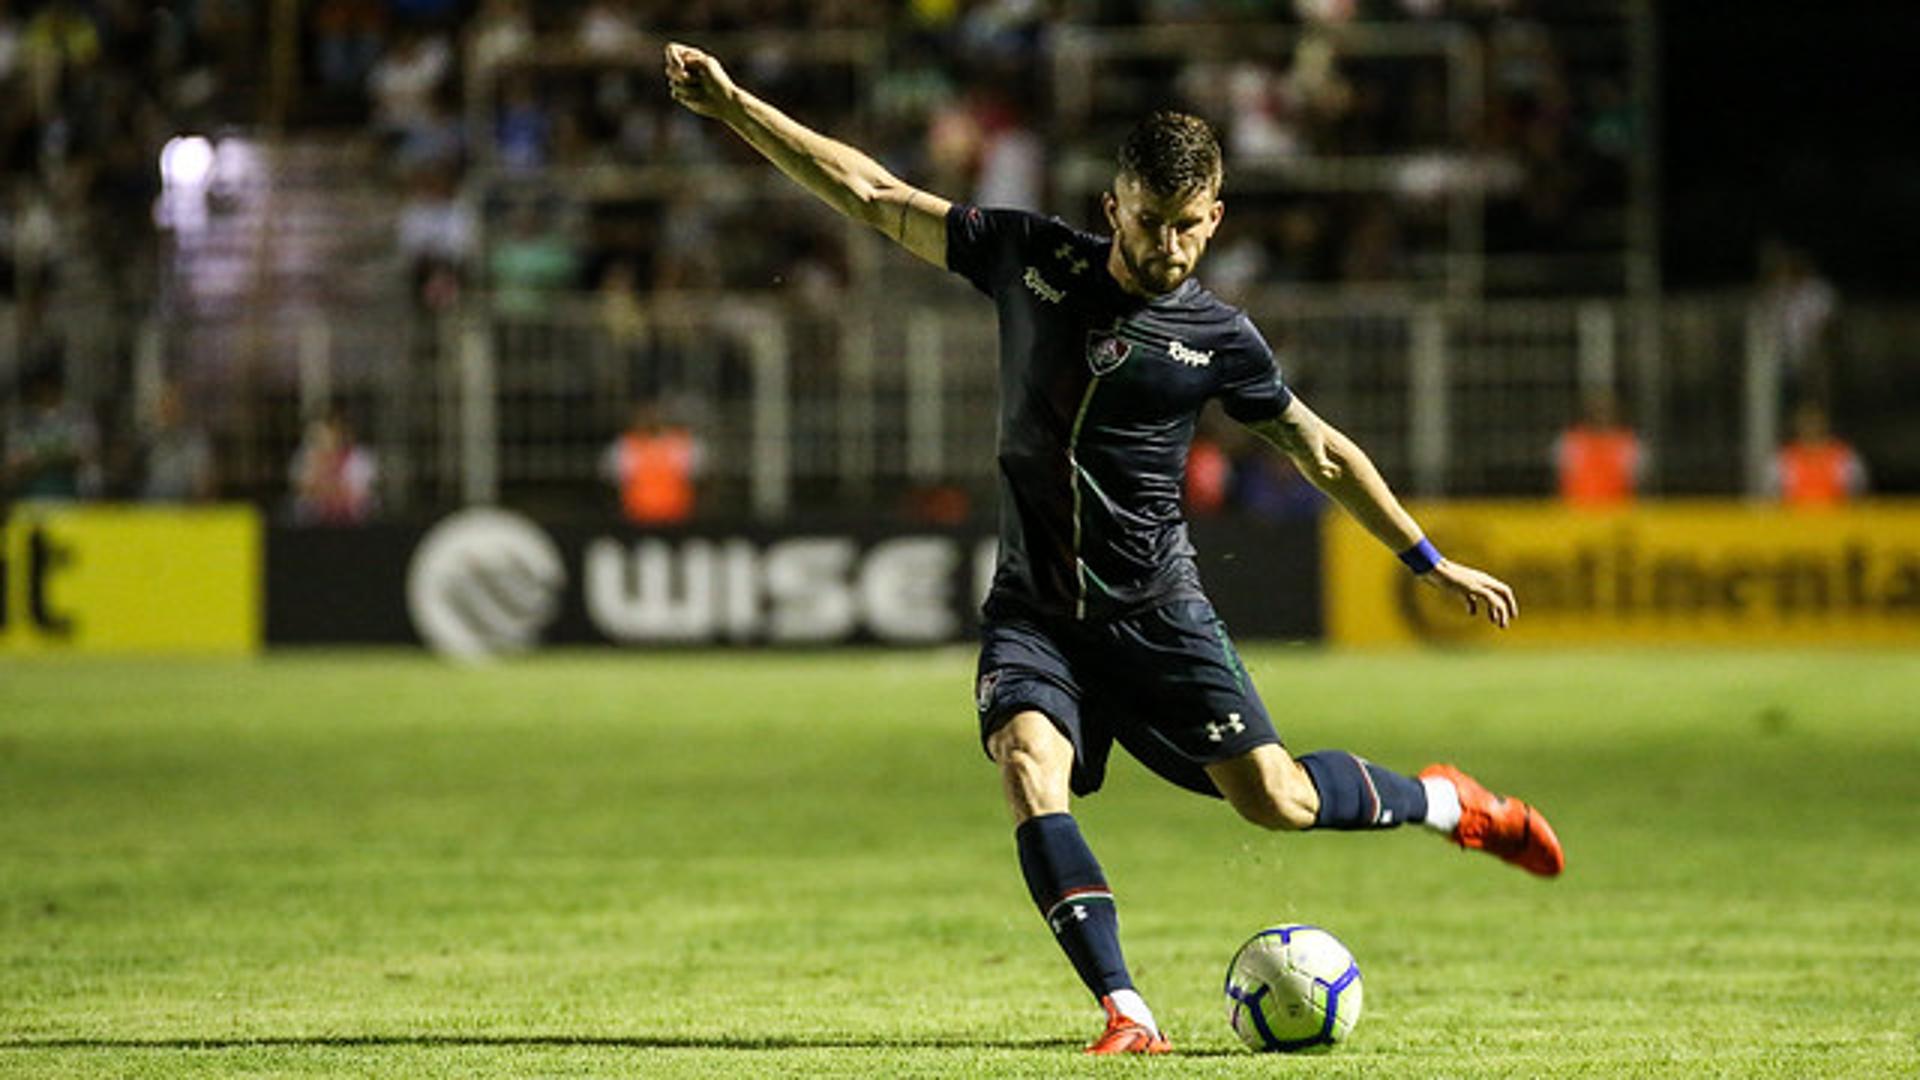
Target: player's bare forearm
point(840, 175)
point(1336, 465)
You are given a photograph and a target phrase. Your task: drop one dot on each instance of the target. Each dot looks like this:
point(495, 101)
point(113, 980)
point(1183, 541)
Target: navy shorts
point(1165, 683)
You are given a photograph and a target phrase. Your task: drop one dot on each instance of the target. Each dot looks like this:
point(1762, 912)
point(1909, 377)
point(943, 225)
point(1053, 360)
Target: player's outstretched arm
point(1336, 465)
point(843, 177)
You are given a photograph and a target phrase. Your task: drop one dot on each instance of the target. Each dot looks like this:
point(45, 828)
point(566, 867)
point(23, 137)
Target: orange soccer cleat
point(1125, 1035)
point(1502, 826)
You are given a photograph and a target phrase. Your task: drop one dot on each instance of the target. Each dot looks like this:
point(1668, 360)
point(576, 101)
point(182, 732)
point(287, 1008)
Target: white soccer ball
point(1293, 987)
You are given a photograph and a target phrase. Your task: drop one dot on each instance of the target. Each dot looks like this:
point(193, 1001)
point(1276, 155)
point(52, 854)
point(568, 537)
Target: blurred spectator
point(523, 134)
point(33, 244)
point(621, 315)
point(531, 263)
point(1258, 128)
point(502, 31)
point(1239, 261)
point(176, 455)
point(943, 505)
point(1797, 306)
point(498, 33)
point(610, 28)
point(653, 465)
point(1599, 460)
point(1816, 469)
point(58, 42)
point(52, 448)
point(1012, 169)
point(403, 83)
point(436, 141)
point(1208, 473)
point(438, 239)
point(332, 474)
point(1266, 485)
point(689, 251)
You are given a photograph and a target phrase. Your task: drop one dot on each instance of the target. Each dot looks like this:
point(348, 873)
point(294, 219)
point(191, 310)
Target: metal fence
point(855, 408)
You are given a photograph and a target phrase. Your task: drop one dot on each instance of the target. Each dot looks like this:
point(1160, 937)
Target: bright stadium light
point(186, 161)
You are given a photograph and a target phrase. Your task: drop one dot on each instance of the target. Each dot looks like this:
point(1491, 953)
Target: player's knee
point(1277, 811)
point(1034, 759)
point(1287, 802)
point(1268, 788)
point(1029, 763)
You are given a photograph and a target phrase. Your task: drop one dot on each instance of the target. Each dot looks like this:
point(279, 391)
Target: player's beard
point(1154, 282)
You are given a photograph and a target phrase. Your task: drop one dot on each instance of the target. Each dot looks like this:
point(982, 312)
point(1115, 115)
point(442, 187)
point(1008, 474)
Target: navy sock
point(1067, 886)
point(1357, 794)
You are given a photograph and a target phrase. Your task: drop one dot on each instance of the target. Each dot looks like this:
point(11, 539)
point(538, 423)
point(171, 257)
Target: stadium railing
point(802, 409)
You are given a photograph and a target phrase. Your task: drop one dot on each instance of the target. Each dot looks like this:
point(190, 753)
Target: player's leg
point(1198, 721)
point(1327, 789)
point(1332, 789)
point(1065, 880)
point(1031, 727)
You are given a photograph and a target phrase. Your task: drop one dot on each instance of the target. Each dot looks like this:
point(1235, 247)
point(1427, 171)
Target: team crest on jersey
point(1105, 352)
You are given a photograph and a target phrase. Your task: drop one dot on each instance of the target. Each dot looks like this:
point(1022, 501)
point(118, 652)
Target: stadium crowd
point(960, 97)
point(954, 93)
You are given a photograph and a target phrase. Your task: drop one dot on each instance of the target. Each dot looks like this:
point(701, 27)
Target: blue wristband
point(1421, 557)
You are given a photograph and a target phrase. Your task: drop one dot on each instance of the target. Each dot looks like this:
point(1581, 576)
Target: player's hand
point(697, 80)
point(1478, 588)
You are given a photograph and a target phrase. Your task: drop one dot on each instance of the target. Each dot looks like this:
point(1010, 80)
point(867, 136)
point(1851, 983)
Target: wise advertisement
point(487, 581)
point(1675, 573)
point(129, 579)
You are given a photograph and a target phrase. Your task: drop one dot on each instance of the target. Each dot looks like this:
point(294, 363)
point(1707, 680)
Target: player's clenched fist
point(697, 80)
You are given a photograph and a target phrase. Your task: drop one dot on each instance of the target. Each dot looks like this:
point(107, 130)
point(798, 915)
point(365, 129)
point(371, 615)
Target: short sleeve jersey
point(1099, 394)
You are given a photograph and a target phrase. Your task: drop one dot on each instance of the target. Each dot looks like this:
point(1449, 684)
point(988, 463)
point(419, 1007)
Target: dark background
point(1793, 120)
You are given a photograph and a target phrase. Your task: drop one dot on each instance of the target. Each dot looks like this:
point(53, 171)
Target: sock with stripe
point(1357, 794)
point(1067, 886)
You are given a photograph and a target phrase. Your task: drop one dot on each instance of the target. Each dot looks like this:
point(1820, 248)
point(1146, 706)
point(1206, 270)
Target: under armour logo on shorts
point(1218, 732)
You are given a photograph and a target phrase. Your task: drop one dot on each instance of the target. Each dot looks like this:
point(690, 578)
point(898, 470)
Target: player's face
point(1160, 238)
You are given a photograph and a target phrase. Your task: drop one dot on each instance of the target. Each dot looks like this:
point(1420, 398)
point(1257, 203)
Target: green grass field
point(778, 864)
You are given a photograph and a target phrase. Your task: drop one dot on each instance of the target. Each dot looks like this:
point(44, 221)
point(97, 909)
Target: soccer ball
point(1293, 987)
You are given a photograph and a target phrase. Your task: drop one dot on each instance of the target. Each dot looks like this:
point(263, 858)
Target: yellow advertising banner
point(130, 579)
point(1682, 572)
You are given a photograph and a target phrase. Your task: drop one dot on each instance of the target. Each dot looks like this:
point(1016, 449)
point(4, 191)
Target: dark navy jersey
point(1099, 393)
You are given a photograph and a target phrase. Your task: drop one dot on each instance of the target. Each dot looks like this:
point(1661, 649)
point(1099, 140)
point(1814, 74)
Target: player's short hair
point(1170, 153)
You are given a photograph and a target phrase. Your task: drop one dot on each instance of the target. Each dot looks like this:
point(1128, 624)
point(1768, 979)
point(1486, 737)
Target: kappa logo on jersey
point(1106, 352)
point(1075, 266)
point(1188, 356)
point(1041, 289)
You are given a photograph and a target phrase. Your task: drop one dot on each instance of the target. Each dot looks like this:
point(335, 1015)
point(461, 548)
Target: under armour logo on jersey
point(1041, 289)
point(1218, 732)
point(1190, 357)
point(1065, 254)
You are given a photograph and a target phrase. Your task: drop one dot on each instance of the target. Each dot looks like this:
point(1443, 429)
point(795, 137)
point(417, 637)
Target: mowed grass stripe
point(779, 863)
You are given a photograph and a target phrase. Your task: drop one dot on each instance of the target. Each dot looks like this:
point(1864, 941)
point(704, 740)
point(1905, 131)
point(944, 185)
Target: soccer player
point(1096, 629)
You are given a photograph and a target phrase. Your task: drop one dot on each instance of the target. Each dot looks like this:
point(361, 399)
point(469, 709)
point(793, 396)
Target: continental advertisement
point(130, 579)
point(1674, 573)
